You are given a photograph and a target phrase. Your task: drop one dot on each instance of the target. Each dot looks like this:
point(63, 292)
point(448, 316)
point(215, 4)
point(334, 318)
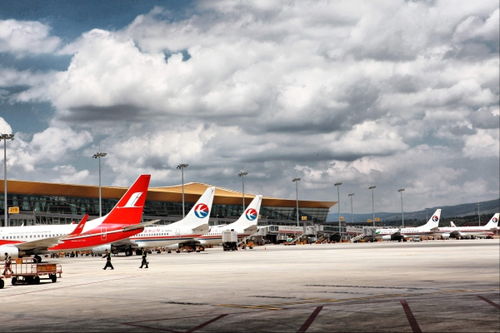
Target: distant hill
point(461, 213)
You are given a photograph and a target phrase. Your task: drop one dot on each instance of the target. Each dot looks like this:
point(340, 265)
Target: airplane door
point(104, 235)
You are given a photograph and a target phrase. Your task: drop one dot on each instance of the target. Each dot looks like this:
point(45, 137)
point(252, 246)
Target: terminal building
point(51, 203)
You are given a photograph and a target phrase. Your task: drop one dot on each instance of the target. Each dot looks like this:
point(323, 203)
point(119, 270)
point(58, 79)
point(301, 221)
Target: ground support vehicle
point(229, 240)
point(32, 273)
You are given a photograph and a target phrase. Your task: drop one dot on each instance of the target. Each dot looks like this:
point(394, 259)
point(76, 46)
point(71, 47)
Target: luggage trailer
point(28, 272)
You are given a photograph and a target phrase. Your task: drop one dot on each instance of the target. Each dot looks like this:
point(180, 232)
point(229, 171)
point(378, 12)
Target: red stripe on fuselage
point(92, 240)
point(9, 242)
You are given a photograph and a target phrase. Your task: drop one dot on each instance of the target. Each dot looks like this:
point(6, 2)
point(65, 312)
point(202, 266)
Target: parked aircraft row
point(121, 229)
point(431, 228)
point(123, 221)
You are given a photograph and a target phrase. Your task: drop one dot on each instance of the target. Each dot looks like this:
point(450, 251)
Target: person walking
point(8, 262)
point(144, 259)
point(107, 255)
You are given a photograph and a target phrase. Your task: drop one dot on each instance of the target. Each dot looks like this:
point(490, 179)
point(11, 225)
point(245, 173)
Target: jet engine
point(11, 251)
point(101, 249)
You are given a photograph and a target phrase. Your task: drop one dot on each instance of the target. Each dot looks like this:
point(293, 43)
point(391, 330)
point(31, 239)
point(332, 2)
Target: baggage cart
point(32, 272)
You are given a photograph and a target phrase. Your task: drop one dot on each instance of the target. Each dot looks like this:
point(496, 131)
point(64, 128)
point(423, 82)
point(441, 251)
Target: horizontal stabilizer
point(140, 225)
point(202, 229)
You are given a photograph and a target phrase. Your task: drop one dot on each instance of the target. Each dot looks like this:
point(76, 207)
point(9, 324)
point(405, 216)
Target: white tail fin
point(199, 214)
point(433, 221)
point(493, 222)
point(249, 218)
point(452, 224)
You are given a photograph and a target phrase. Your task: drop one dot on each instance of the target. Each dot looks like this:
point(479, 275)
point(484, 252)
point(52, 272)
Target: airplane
point(193, 225)
point(401, 233)
point(245, 226)
point(487, 230)
point(123, 221)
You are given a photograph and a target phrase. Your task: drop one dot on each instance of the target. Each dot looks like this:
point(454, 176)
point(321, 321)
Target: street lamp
point(98, 156)
point(350, 195)
point(296, 181)
point(337, 185)
point(478, 215)
point(373, 203)
point(5, 137)
point(401, 190)
point(242, 175)
point(181, 167)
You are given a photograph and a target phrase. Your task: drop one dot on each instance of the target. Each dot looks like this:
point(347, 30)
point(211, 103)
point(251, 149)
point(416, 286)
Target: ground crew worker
point(8, 262)
point(144, 260)
point(107, 255)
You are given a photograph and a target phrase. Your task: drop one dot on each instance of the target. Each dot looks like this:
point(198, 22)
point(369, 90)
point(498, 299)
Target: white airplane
point(487, 230)
point(400, 233)
point(245, 226)
point(193, 225)
point(123, 221)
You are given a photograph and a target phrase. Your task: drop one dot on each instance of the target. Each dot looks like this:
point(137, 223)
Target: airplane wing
point(202, 229)
point(140, 225)
point(39, 244)
point(250, 230)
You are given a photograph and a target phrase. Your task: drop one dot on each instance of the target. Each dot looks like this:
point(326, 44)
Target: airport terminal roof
point(163, 193)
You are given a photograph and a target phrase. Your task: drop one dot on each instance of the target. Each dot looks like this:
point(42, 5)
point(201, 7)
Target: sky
point(396, 94)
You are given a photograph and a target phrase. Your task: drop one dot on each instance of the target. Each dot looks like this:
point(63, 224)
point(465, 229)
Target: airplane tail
point(79, 227)
point(200, 213)
point(129, 208)
point(433, 221)
point(452, 224)
point(493, 222)
point(249, 217)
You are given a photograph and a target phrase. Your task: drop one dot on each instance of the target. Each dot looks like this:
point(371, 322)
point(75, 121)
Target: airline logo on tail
point(494, 220)
point(133, 199)
point(201, 210)
point(435, 218)
point(251, 214)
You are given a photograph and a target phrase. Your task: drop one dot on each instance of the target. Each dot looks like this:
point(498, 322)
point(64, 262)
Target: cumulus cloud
point(26, 37)
point(349, 91)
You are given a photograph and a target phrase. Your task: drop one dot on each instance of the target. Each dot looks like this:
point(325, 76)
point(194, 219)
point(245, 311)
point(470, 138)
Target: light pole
point(337, 185)
point(296, 181)
point(350, 195)
point(98, 156)
point(242, 175)
point(401, 190)
point(478, 215)
point(181, 167)
point(373, 203)
point(5, 137)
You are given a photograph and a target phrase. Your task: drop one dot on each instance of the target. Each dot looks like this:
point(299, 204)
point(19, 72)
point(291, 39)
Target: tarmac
point(430, 286)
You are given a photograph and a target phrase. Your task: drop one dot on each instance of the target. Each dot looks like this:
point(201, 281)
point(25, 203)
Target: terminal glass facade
point(49, 209)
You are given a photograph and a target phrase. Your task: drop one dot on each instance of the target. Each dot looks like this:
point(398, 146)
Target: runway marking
point(69, 286)
point(206, 323)
point(151, 327)
point(135, 324)
point(257, 307)
point(489, 301)
point(310, 320)
point(410, 317)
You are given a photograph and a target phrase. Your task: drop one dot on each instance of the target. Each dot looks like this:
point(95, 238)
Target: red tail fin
point(80, 225)
point(129, 209)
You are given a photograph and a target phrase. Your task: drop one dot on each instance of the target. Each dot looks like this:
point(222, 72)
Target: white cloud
point(484, 144)
point(53, 145)
point(5, 128)
point(352, 91)
point(26, 37)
